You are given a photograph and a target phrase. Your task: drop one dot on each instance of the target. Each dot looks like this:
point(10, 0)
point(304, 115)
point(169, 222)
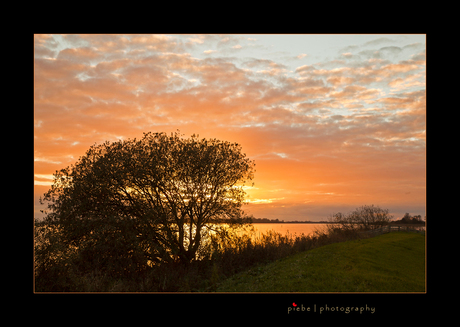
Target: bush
point(79, 271)
point(363, 218)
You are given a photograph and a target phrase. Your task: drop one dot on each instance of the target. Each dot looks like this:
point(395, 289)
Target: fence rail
point(390, 228)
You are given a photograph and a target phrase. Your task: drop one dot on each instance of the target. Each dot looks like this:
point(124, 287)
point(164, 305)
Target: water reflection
point(285, 229)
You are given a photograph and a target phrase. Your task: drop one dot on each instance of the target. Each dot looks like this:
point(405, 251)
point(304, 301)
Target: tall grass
point(223, 258)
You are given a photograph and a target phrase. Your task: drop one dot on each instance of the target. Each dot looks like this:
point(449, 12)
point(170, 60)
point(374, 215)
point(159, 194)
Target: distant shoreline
point(289, 222)
point(326, 222)
point(410, 224)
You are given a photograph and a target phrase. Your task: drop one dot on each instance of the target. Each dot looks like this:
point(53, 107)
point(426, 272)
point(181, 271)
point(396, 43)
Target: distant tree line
point(408, 219)
point(253, 220)
point(265, 220)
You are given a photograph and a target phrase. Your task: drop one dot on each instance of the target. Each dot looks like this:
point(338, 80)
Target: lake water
point(298, 229)
point(284, 229)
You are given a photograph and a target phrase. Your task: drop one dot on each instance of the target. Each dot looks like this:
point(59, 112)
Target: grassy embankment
point(393, 262)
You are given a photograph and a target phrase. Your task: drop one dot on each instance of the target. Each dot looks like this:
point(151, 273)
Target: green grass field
point(393, 262)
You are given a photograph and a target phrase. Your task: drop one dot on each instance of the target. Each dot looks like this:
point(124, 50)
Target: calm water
point(284, 229)
point(298, 229)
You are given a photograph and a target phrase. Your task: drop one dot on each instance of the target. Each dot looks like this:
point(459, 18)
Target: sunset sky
point(333, 122)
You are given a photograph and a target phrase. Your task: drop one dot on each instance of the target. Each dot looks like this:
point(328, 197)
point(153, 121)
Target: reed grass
point(225, 258)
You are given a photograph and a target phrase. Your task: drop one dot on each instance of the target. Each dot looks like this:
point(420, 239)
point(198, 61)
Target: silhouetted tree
point(365, 217)
point(417, 218)
point(406, 218)
point(133, 201)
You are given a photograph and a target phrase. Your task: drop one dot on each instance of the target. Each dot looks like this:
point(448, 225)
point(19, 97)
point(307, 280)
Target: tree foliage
point(134, 203)
point(365, 217)
point(408, 219)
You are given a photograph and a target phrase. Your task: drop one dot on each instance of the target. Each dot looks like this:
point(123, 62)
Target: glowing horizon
point(333, 122)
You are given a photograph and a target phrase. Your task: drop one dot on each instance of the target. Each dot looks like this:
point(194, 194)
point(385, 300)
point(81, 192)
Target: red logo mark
point(294, 304)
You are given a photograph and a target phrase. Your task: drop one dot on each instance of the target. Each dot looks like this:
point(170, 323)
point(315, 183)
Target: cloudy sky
point(333, 121)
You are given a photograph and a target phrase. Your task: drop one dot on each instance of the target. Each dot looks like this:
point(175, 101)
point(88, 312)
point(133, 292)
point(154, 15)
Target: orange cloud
point(323, 135)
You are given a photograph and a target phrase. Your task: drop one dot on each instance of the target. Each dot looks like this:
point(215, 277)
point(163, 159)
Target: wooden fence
point(390, 228)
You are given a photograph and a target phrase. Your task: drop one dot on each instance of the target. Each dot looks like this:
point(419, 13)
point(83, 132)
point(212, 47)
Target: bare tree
point(365, 217)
